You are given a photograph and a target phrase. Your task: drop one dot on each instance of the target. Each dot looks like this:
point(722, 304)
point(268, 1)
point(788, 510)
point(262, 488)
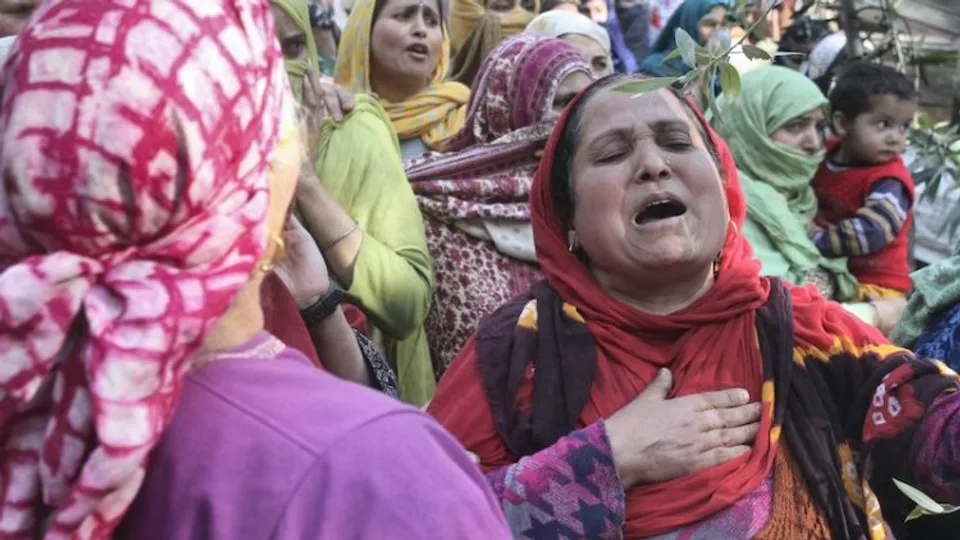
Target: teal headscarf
point(687, 16)
point(776, 178)
point(936, 289)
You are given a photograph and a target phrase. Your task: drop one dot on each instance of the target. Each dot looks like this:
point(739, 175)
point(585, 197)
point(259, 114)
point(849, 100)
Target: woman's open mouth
point(418, 52)
point(659, 209)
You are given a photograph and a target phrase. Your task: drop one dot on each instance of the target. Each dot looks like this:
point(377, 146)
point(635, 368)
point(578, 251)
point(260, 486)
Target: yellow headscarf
point(433, 114)
point(297, 69)
point(466, 14)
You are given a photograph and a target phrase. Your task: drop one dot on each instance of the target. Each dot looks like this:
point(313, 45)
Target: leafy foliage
point(937, 146)
point(709, 66)
point(925, 505)
point(937, 161)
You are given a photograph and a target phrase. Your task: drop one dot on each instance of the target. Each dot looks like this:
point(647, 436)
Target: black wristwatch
point(324, 306)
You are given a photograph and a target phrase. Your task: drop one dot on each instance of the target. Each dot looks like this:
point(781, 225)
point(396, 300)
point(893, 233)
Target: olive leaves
point(925, 505)
point(710, 65)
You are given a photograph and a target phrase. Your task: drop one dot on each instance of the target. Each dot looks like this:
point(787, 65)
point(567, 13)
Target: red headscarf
point(710, 345)
point(135, 140)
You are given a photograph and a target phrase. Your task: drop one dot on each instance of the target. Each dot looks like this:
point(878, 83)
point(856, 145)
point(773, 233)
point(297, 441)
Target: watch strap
point(324, 306)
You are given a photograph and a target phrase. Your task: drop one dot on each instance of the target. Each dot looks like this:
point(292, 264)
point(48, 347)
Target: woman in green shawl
point(360, 209)
point(773, 127)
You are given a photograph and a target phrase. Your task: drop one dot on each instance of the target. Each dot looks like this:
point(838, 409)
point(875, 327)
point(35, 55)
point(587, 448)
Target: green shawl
point(359, 164)
point(776, 178)
point(936, 289)
point(299, 12)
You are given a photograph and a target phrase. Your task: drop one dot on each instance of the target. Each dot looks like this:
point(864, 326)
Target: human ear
point(839, 124)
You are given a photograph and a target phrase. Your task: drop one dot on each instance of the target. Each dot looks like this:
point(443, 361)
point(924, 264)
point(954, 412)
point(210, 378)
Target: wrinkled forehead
point(610, 109)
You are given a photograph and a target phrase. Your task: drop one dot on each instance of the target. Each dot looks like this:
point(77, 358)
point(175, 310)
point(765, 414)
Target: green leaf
point(706, 87)
point(714, 48)
point(729, 79)
point(949, 508)
point(687, 47)
point(919, 497)
point(671, 55)
point(753, 52)
point(917, 512)
point(703, 57)
point(642, 86)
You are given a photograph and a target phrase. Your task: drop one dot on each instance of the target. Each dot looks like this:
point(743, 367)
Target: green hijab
point(936, 289)
point(776, 178)
point(299, 12)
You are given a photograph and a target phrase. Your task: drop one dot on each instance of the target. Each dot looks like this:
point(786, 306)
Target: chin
point(674, 254)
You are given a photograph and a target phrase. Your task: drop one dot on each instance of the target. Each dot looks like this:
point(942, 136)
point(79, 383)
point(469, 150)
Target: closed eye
point(678, 145)
point(613, 156)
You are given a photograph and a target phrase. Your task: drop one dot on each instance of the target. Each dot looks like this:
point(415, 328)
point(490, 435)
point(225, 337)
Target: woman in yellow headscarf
point(360, 209)
point(400, 51)
point(478, 26)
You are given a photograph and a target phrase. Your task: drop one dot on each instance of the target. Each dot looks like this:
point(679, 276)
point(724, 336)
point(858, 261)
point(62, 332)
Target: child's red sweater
point(842, 193)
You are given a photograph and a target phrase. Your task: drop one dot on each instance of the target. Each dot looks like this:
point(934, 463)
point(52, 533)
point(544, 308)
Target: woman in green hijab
point(292, 19)
point(774, 129)
point(360, 209)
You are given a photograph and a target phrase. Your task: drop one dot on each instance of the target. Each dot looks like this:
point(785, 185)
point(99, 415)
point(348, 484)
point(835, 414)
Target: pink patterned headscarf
point(135, 138)
point(515, 87)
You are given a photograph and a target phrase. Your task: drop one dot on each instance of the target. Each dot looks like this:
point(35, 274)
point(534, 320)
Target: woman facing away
point(356, 203)
point(475, 195)
point(699, 18)
point(138, 381)
point(579, 31)
point(676, 392)
point(399, 51)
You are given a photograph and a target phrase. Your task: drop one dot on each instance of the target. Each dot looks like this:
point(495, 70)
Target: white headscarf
point(558, 23)
point(823, 55)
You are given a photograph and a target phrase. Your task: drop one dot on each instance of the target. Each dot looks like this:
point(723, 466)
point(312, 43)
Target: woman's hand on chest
point(654, 439)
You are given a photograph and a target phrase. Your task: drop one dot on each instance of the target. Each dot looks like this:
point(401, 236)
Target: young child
point(864, 190)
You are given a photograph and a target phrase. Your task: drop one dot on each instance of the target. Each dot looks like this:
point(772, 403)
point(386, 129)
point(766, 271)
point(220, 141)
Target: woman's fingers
point(719, 456)
point(337, 101)
point(722, 399)
point(658, 387)
point(731, 417)
point(732, 437)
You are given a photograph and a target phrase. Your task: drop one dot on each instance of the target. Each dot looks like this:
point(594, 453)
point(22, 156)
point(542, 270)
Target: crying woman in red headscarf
point(655, 384)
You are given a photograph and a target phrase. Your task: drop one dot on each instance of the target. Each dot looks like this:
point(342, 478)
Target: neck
point(394, 91)
point(841, 157)
point(242, 321)
point(659, 298)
